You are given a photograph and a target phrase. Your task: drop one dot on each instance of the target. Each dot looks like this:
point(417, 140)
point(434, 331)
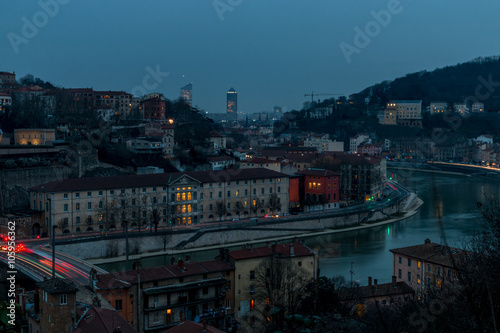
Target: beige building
point(246, 263)
point(402, 110)
point(34, 136)
point(461, 108)
point(478, 107)
point(438, 108)
point(426, 265)
point(183, 198)
point(324, 144)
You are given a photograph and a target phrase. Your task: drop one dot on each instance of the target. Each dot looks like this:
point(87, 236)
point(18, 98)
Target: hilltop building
point(187, 94)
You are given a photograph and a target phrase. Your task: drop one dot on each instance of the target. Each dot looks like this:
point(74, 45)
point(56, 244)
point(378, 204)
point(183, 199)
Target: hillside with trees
point(478, 78)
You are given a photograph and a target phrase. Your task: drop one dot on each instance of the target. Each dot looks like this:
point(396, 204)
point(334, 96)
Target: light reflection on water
point(449, 214)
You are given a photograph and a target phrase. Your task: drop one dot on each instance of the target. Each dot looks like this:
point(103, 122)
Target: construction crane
point(312, 94)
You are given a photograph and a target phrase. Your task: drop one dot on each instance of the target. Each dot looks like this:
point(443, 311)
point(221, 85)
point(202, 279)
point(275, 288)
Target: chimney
point(374, 282)
point(394, 281)
point(180, 263)
point(292, 250)
point(369, 280)
point(205, 327)
point(427, 241)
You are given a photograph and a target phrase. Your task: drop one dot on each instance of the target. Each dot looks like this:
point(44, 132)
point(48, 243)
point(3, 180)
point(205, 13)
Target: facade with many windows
point(426, 265)
point(182, 198)
point(162, 297)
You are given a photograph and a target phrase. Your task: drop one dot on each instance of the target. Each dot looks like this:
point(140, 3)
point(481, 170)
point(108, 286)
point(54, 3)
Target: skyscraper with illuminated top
point(232, 104)
point(187, 94)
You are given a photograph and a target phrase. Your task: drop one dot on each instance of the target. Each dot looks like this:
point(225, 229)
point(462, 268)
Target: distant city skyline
point(274, 52)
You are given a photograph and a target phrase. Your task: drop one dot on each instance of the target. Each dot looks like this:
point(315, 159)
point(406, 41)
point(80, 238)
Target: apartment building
point(154, 107)
point(461, 108)
point(426, 265)
point(182, 198)
point(157, 298)
point(320, 189)
point(478, 107)
point(407, 111)
point(34, 136)
point(247, 261)
point(357, 141)
point(438, 108)
point(324, 144)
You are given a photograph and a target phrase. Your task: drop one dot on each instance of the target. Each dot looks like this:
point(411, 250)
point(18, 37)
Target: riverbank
point(432, 171)
point(171, 252)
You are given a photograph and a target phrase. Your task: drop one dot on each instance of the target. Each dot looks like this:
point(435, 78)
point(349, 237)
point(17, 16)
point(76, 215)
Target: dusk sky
point(272, 52)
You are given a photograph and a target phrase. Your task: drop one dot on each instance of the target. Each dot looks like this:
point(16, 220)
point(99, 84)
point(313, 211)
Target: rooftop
point(299, 250)
point(175, 271)
point(161, 179)
point(433, 253)
point(58, 286)
point(94, 319)
point(317, 172)
point(378, 290)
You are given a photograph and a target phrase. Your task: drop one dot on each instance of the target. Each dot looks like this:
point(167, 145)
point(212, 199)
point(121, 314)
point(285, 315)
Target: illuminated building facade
point(187, 94)
point(232, 103)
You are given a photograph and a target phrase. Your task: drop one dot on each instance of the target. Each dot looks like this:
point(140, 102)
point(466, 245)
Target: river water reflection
point(449, 215)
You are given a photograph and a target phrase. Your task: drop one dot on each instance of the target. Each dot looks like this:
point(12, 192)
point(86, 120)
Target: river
point(449, 215)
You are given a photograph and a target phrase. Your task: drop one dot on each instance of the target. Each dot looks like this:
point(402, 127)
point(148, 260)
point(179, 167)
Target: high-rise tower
point(187, 93)
point(232, 103)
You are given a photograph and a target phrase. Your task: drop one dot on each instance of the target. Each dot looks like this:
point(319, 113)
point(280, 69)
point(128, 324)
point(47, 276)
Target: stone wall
point(151, 242)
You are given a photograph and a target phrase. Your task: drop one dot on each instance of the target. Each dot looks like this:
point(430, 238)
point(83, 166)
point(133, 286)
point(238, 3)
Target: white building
point(478, 107)
point(485, 138)
point(321, 113)
point(324, 144)
point(356, 141)
point(460, 108)
point(438, 107)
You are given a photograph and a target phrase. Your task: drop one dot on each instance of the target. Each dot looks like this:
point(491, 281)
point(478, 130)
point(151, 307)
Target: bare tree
point(273, 203)
point(256, 205)
point(280, 287)
point(238, 208)
point(221, 209)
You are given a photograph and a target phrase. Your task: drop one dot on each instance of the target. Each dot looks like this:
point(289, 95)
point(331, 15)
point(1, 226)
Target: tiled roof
point(6, 73)
point(58, 286)
point(260, 160)
point(300, 250)
point(220, 158)
point(317, 172)
point(192, 327)
point(93, 319)
point(379, 290)
point(215, 134)
point(353, 159)
point(124, 279)
point(433, 253)
point(161, 179)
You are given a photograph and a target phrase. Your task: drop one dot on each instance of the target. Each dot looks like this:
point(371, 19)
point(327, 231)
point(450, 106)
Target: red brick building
point(154, 107)
point(320, 188)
